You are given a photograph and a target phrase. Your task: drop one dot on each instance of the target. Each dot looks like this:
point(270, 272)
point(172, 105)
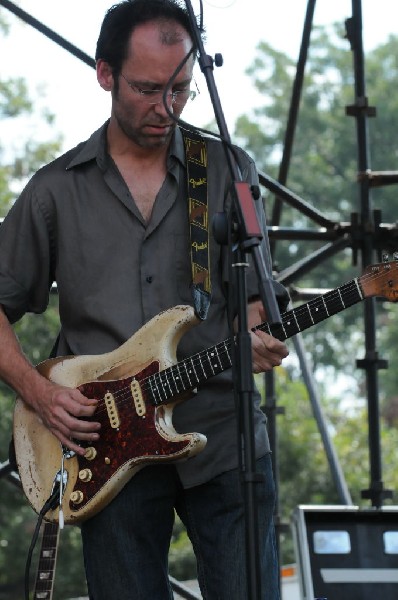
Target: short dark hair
point(121, 20)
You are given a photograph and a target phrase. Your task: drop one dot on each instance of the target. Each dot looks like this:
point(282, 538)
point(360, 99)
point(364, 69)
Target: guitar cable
point(50, 504)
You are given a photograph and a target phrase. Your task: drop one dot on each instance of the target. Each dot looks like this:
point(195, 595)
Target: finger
point(85, 436)
point(80, 411)
point(71, 403)
point(264, 359)
point(68, 443)
point(70, 436)
point(265, 364)
point(66, 425)
point(271, 344)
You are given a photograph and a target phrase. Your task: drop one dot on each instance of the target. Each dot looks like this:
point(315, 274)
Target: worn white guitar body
point(134, 430)
point(137, 387)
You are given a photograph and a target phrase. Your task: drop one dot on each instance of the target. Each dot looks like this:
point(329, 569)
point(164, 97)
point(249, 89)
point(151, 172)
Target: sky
point(234, 29)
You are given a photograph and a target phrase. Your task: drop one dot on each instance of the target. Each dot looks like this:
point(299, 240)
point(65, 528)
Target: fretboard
point(196, 369)
point(315, 311)
point(46, 568)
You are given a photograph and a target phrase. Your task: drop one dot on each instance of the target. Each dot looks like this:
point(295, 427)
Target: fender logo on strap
point(196, 158)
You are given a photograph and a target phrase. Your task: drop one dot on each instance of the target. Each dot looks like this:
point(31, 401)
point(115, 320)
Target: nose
point(160, 107)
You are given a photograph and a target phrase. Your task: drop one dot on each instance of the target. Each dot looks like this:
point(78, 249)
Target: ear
point(104, 75)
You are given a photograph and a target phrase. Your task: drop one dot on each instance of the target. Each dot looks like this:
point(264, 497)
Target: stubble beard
point(140, 138)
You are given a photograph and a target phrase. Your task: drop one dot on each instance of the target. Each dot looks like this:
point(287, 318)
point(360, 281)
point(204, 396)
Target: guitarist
point(108, 221)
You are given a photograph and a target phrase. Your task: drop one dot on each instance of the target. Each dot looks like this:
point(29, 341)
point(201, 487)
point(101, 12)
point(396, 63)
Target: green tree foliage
point(323, 171)
point(323, 168)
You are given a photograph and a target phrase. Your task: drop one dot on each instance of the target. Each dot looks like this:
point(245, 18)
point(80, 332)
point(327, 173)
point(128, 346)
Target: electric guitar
point(137, 386)
point(44, 585)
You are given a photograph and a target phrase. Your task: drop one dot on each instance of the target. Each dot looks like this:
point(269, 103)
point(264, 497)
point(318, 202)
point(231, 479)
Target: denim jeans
point(126, 545)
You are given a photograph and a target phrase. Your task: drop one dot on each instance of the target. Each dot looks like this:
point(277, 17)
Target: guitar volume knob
point(76, 497)
point(90, 453)
point(85, 475)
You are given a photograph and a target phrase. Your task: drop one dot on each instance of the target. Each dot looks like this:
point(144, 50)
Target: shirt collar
point(177, 148)
point(95, 148)
point(92, 149)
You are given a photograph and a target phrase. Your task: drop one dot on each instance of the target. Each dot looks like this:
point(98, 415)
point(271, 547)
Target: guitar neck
point(46, 568)
point(196, 369)
point(315, 311)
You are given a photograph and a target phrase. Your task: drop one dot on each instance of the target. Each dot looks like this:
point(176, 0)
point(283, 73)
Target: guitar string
point(124, 393)
point(221, 349)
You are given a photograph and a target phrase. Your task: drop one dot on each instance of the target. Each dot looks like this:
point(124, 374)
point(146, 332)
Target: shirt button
point(149, 279)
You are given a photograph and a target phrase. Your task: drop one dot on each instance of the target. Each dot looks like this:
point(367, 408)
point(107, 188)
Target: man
point(108, 221)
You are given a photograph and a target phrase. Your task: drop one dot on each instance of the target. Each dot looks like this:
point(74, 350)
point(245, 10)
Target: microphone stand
point(248, 235)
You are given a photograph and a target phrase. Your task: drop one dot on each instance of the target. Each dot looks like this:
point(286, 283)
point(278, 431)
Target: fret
point(318, 310)
point(162, 388)
point(312, 322)
point(175, 378)
point(218, 356)
point(153, 382)
point(351, 293)
point(186, 371)
point(201, 365)
point(191, 372)
point(358, 287)
point(276, 329)
point(153, 390)
point(290, 325)
point(303, 319)
point(266, 327)
point(325, 305)
point(333, 303)
point(210, 362)
point(182, 378)
point(191, 360)
point(227, 354)
point(224, 356)
point(164, 378)
point(160, 395)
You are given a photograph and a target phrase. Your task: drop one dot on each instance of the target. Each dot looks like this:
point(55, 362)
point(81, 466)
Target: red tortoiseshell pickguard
point(136, 440)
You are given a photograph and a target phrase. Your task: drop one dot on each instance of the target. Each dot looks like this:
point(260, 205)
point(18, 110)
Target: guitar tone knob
point(85, 475)
point(76, 497)
point(90, 453)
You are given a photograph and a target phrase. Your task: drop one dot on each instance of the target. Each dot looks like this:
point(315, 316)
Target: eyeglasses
point(178, 97)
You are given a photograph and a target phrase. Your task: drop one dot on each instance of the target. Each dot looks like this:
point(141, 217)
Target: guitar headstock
point(381, 280)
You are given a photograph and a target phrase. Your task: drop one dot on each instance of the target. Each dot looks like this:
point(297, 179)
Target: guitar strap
point(196, 160)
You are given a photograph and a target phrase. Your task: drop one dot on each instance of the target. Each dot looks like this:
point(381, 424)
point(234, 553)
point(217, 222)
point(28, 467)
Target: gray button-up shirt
point(76, 223)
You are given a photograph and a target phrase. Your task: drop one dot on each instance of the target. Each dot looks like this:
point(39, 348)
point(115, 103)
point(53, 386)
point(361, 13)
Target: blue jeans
point(126, 545)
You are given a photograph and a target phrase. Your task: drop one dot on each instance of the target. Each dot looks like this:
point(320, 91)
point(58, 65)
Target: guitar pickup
point(112, 411)
point(139, 401)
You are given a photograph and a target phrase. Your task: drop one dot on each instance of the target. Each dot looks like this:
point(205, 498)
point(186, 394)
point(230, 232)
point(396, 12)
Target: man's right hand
point(64, 411)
